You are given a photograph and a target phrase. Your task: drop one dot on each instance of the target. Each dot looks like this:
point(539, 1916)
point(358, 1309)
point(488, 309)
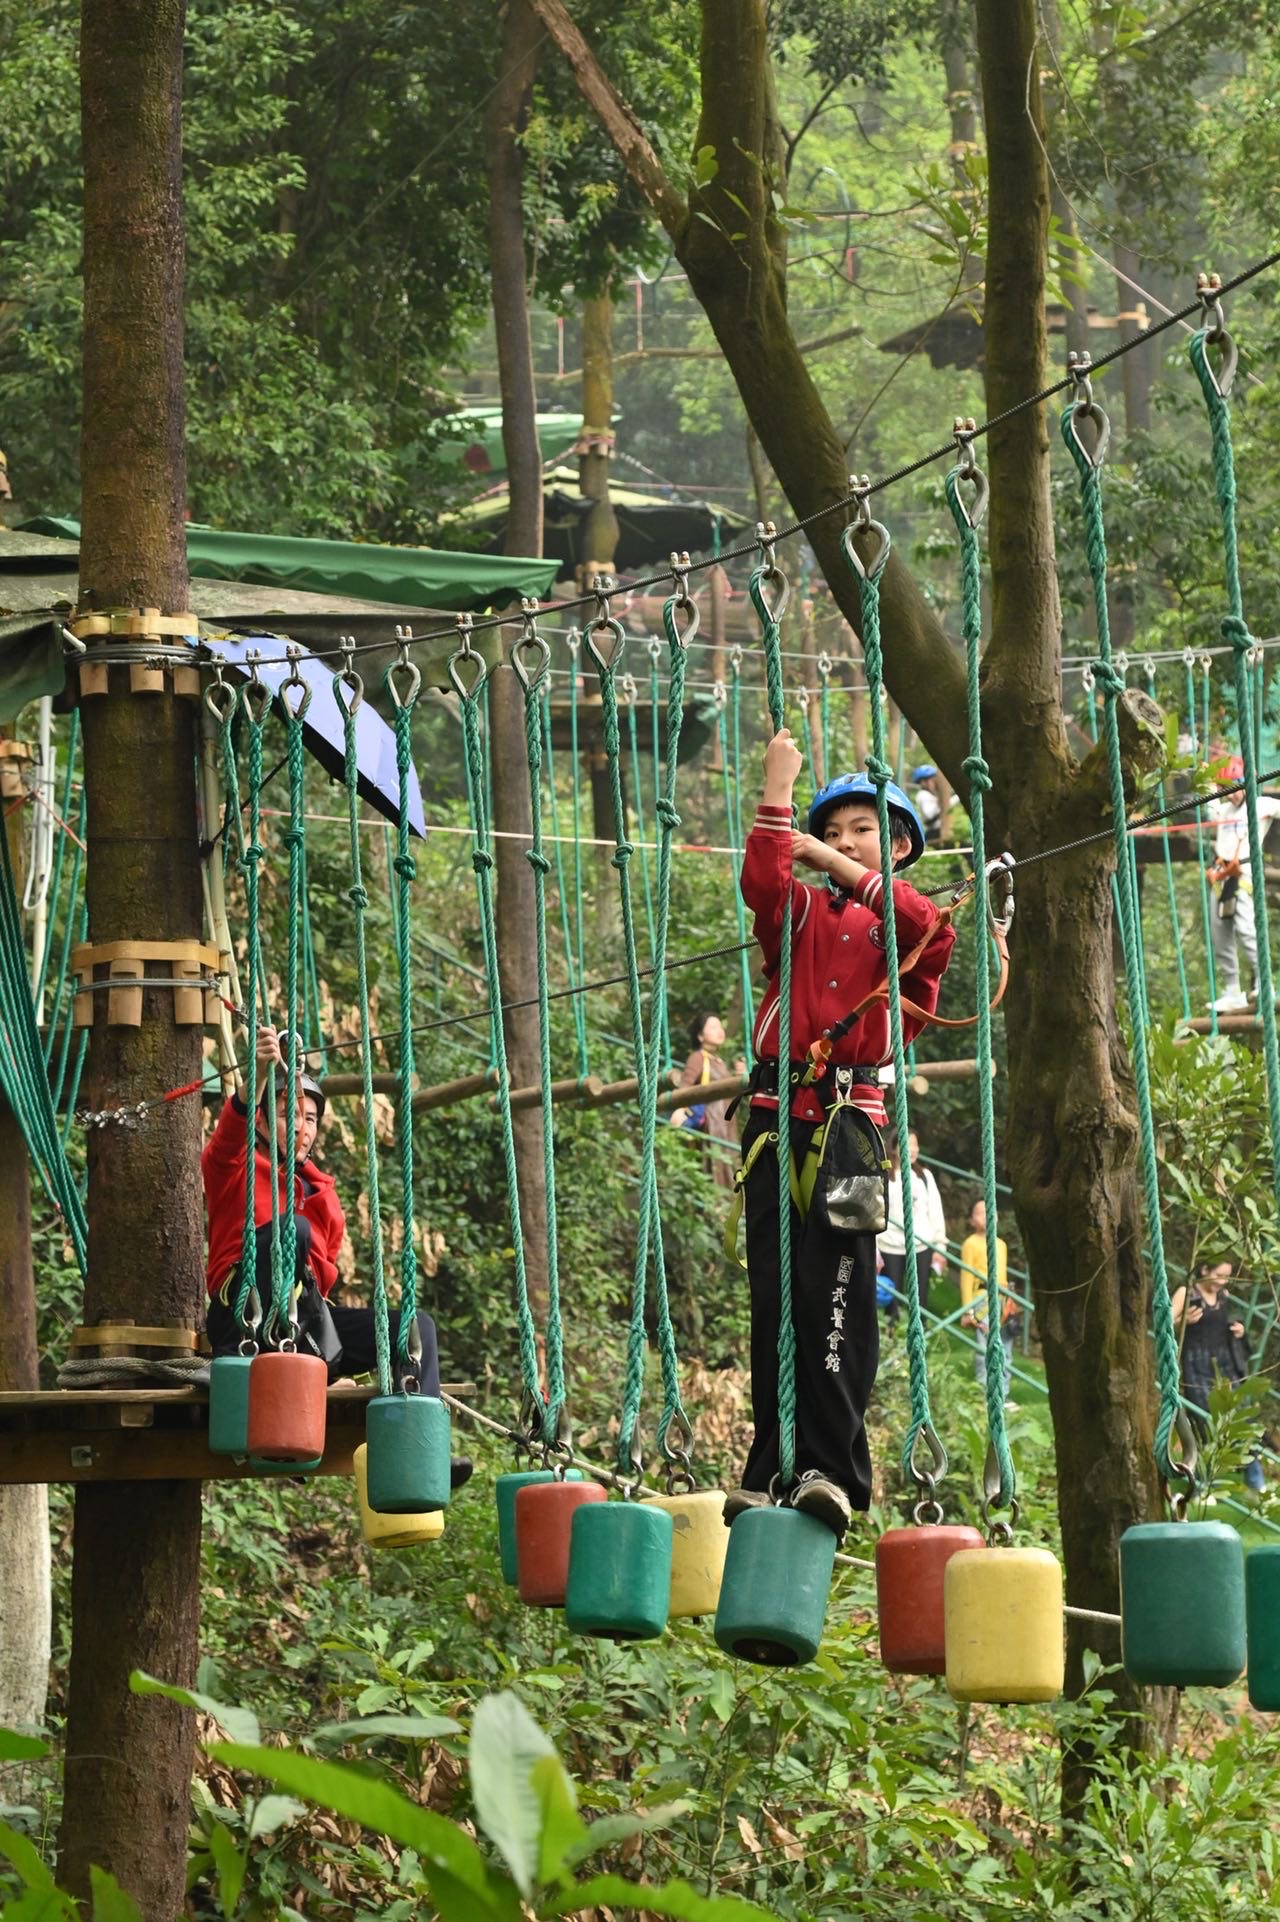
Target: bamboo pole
point(341, 1084)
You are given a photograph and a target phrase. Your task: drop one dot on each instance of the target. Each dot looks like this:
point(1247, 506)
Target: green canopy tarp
point(409, 576)
point(474, 438)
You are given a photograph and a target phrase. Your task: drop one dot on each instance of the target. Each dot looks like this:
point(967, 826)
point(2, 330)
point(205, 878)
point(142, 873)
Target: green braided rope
point(250, 859)
point(575, 793)
point(637, 789)
point(648, 1228)
point(23, 1075)
point(1178, 955)
point(775, 693)
point(1235, 630)
point(534, 692)
point(578, 1001)
point(55, 884)
point(482, 862)
point(739, 906)
point(873, 658)
point(76, 911)
point(294, 836)
point(312, 1025)
point(735, 681)
point(1201, 852)
point(824, 717)
point(655, 702)
point(406, 871)
point(1166, 1341)
point(347, 696)
point(73, 1089)
point(668, 820)
point(979, 774)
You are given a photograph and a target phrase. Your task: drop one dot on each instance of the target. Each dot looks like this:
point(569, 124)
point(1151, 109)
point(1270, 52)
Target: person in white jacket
point(928, 1222)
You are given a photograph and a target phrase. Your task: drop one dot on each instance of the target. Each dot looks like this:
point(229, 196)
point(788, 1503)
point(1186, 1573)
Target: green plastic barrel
point(505, 1489)
point(619, 1571)
point(408, 1461)
point(773, 1597)
point(1262, 1613)
point(1182, 1613)
point(229, 1404)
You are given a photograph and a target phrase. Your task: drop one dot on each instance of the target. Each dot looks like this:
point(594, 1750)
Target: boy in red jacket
point(321, 1225)
point(837, 959)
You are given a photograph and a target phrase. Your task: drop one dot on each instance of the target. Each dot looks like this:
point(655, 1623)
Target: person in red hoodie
point(321, 1225)
point(837, 960)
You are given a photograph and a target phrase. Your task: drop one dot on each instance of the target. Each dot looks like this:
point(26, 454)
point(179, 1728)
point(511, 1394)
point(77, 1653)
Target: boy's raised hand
point(811, 853)
point(782, 764)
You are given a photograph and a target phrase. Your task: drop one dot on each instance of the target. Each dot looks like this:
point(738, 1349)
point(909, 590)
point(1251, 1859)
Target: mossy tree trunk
point(135, 1595)
point(505, 117)
point(1072, 1126)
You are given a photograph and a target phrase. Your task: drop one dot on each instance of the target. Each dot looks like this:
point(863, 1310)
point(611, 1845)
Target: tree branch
point(642, 163)
point(638, 354)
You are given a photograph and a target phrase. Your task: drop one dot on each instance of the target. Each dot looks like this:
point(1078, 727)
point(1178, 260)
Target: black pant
point(833, 1312)
point(895, 1266)
point(354, 1326)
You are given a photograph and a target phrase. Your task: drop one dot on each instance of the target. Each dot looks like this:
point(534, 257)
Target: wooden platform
point(148, 1434)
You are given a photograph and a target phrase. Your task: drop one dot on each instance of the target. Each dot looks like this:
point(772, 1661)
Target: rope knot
point(666, 813)
point(294, 838)
point(1237, 633)
point(481, 860)
point(252, 854)
point(538, 862)
point(978, 772)
point(880, 771)
point(406, 867)
point(358, 896)
point(1109, 678)
point(622, 855)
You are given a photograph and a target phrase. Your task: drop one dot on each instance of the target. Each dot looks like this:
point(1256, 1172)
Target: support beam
point(446, 1093)
point(348, 1084)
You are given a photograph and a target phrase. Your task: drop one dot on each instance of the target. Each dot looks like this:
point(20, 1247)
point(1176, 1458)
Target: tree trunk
point(600, 534)
point(25, 1599)
point(136, 1576)
point(505, 117)
point(1071, 1121)
point(1077, 294)
point(1072, 1129)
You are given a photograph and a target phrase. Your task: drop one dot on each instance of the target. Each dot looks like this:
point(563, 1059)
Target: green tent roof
point(408, 576)
point(474, 438)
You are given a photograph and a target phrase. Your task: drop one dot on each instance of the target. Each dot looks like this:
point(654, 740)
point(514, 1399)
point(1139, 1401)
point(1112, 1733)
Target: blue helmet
point(925, 771)
point(861, 787)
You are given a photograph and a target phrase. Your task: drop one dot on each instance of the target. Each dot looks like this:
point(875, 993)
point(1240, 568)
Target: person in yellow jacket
point(973, 1295)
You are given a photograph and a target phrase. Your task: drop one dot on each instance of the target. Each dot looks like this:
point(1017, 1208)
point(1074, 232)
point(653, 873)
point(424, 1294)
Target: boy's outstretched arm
point(766, 864)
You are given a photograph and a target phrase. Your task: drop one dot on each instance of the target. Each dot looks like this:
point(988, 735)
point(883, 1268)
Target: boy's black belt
point(764, 1079)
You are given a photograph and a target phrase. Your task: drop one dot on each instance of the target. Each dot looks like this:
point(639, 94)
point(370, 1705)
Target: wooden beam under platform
point(149, 1434)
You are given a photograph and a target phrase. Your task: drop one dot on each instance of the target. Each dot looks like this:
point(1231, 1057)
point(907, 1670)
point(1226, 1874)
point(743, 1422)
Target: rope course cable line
point(851, 500)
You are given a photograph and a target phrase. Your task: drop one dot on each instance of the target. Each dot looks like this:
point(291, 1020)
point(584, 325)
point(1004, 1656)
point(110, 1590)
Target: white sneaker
point(1233, 1003)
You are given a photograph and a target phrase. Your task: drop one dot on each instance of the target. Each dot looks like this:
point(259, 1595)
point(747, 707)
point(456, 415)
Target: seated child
point(837, 960)
point(321, 1225)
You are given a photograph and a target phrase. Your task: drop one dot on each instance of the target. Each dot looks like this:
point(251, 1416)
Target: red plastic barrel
point(910, 1565)
point(544, 1523)
point(287, 1407)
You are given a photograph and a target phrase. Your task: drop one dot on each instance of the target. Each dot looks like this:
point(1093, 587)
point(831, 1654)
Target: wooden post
point(135, 1589)
point(25, 1601)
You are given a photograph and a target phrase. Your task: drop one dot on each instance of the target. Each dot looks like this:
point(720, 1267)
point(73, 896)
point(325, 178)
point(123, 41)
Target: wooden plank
point(341, 1394)
point(144, 1455)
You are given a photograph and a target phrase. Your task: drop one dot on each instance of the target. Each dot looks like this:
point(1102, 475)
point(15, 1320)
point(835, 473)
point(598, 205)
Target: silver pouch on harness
point(851, 1188)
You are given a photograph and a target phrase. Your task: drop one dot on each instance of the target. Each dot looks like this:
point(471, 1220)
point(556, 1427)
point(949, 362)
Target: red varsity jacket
point(837, 957)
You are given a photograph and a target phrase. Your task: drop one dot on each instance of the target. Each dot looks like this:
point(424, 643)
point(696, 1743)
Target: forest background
point(337, 295)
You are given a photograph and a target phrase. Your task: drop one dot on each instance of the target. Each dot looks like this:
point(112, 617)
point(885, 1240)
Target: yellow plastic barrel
point(699, 1546)
point(391, 1531)
point(1003, 1611)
